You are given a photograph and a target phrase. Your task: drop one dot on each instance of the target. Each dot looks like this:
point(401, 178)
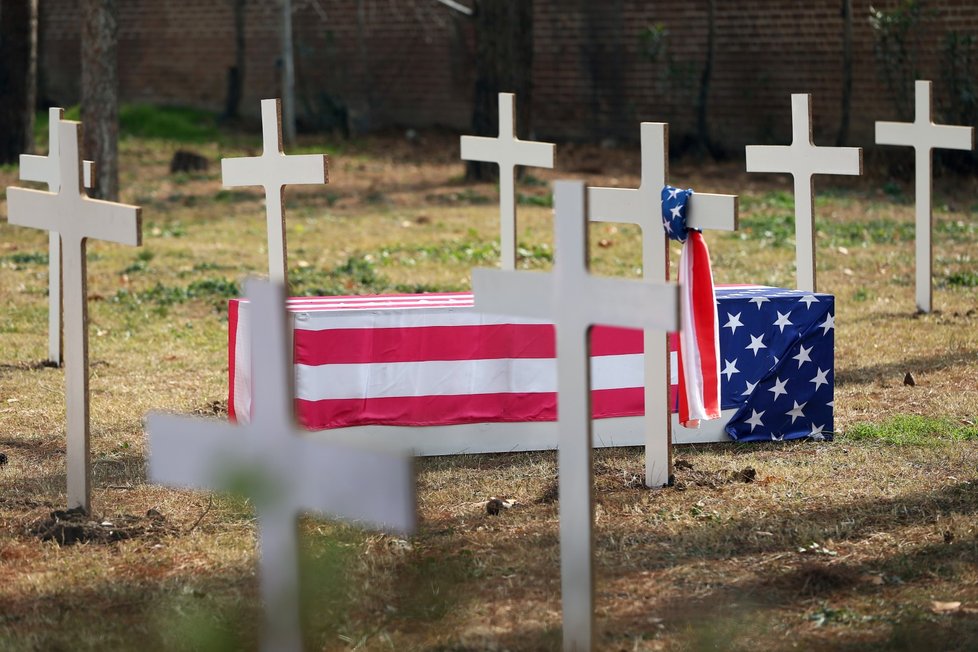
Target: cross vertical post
point(924, 136)
point(273, 170)
point(45, 170)
point(508, 151)
point(803, 160)
point(575, 300)
point(643, 206)
point(76, 217)
point(285, 470)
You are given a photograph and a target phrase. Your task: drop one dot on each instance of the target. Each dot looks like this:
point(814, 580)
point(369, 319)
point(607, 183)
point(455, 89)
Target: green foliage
point(546, 201)
point(183, 125)
point(358, 275)
point(963, 279)
point(913, 430)
point(957, 71)
point(652, 41)
point(463, 252)
point(217, 290)
point(27, 258)
point(895, 47)
point(178, 124)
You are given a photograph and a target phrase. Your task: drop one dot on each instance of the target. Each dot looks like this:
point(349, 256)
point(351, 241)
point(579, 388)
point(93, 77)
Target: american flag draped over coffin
point(426, 360)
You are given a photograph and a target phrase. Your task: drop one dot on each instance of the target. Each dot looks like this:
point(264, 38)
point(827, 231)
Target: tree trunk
point(603, 51)
point(100, 93)
point(17, 77)
point(236, 72)
point(843, 135)
point(702, 141)
point(288, 75)
point(503, 63)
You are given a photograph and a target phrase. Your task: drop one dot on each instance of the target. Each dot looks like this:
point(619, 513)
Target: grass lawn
point(867, 542)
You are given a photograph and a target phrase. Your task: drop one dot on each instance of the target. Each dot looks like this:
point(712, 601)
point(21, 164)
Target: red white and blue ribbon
point(699, 335)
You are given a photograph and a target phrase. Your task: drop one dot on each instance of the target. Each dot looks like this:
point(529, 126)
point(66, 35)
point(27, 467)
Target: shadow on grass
point(895, 370)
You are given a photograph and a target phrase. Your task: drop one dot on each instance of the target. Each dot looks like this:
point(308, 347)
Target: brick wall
point(409, 62)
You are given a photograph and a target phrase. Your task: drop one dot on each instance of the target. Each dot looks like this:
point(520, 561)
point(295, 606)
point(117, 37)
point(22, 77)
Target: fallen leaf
point(939, 607)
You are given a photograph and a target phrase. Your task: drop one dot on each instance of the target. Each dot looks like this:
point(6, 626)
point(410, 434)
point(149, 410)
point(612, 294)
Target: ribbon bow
point(699, 334)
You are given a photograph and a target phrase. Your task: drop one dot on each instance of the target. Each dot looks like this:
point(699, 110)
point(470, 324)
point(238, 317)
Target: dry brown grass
point(711, 564)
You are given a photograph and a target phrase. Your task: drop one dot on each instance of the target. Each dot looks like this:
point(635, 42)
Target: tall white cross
point(274, 170)
point(282, 469)
point(923, 135)
point(45, 170)
point(575, 300)
point(643, 206)
point(508, 151)
point(803, 160)
point(76, 217)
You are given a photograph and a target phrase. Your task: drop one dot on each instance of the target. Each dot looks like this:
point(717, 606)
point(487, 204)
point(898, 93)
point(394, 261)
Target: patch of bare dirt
point(72, 526)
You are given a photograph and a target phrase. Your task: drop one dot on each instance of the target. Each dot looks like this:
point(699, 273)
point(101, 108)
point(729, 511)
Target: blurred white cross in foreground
point(281, 468)
point(575, 300)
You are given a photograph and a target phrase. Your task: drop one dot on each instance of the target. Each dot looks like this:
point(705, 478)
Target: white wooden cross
point(802, 159)
point(45, 170)
point(274, 170)
point(575, 300)
point(76, 217)
point(508, 151)
point(923, 135)
point(282, 468)
point(643, 206)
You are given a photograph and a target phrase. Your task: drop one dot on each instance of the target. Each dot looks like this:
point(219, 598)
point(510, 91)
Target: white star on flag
point(817, 432)
point(808, 300)
point(730, 368)
point(802, 356)
point(750, 388)
point(759, 301)
point(756, 343)
point(755, 419)
point(675, 210)
point(782, 321)
point(820, 378)
point(673, 192)
point(796, 412)
point(733, 322)
point(778, 388)
point(828, 324)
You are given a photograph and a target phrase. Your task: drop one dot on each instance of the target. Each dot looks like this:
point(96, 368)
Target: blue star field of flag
point(777, 350)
